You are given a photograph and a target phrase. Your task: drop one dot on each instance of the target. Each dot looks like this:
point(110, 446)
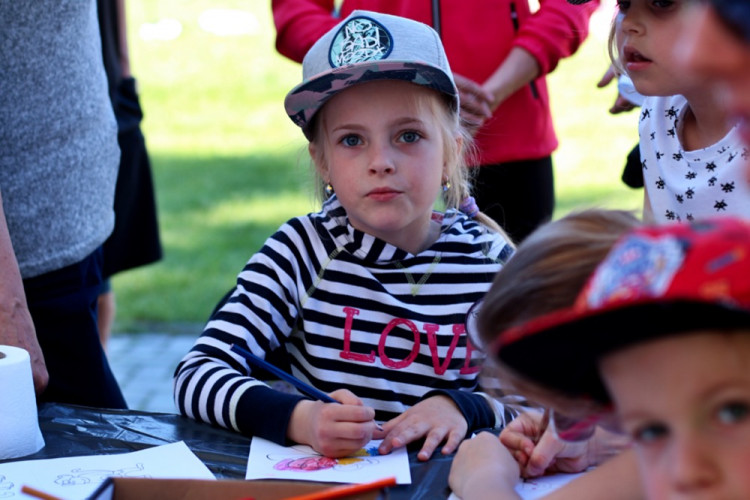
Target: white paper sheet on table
point(269, 460)
point(532, 489)
point(78, 477)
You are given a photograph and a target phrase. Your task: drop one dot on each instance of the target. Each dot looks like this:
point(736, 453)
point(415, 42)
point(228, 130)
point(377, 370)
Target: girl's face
point(383, 154)
point(707, 49)
point(645, 31)
point(685, 402)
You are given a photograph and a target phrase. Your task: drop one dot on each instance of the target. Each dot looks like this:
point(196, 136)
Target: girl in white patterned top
point(691, 153)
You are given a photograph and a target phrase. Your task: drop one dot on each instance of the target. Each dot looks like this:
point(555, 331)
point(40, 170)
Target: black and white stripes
point(341, 309)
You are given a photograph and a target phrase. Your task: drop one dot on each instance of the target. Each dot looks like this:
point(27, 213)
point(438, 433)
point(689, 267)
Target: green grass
point(230, 167)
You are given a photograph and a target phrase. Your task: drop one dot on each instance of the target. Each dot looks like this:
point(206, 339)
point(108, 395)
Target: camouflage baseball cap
point(364, 47)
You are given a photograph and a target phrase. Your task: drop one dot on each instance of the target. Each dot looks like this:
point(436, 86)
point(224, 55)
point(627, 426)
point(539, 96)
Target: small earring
point(329, 189)
point(446, 185)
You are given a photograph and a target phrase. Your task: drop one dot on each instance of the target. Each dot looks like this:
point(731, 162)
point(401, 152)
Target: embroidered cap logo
point(359, 40)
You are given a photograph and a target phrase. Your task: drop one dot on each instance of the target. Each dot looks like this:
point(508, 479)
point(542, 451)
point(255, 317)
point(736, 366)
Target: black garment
point(632, 174)
point(63, 305)
point(519, 196)
point(135, 240)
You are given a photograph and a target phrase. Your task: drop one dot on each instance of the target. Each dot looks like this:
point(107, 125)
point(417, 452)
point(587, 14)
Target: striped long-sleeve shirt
point(343, 309)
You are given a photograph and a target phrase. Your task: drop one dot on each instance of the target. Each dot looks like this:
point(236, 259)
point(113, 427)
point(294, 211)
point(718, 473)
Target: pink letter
point(381, 345)
point(347, 353)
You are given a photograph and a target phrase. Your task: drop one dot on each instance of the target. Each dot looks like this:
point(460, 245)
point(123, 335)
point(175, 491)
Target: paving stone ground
point(144, 363)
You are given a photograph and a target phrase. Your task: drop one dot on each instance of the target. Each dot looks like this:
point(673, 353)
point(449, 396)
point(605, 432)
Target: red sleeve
point(299, 24)
point(555, 31)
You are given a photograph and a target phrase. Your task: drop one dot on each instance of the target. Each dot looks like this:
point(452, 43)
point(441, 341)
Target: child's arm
point(484, 469)
point(299, 23)
point(216, 385)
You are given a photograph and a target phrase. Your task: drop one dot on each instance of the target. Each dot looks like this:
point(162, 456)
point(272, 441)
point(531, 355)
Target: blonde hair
point(457, 154)
point(547, 272)
point(614, 54)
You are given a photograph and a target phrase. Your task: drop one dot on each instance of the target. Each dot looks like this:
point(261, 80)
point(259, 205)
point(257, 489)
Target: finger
point(517, 441)
point(400, 436)
point(471, 121)
point(469, 86)
point(472, 106)
point(431, 442)
point(346, 397)
point(520, 457)
point(351, 414)
point(378, 431)
point(341, 447)
point(543, 454)
point(607, 77)
point(452, 443)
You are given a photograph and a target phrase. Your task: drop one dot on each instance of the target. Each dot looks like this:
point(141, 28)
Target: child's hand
point(437, 419)
point(520, 436)
point(550, 453)
point(483, 468)
point(331, 429)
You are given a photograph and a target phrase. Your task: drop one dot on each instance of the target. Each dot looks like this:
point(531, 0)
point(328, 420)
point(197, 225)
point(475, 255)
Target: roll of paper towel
point(19, 422)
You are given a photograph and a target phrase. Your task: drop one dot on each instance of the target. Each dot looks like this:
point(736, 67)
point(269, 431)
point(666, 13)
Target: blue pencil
point(305, 388)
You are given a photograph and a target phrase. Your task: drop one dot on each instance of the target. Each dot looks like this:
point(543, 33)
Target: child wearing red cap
point(660, 336)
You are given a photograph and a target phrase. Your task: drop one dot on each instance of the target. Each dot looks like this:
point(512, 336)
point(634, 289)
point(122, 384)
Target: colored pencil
point(261, 363)
point(305, 388)
point(38, 494)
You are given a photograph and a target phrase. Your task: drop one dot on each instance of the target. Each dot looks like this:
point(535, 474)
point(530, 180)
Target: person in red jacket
point(500, 53)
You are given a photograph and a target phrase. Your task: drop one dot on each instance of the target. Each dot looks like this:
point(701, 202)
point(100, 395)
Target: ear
point(318, 160)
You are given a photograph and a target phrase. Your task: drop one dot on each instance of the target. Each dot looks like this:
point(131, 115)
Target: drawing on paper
point(309, 461)
point(83, 476)
point(6, 487)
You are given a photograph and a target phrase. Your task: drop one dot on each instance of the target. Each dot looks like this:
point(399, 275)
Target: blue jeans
point(63, 307)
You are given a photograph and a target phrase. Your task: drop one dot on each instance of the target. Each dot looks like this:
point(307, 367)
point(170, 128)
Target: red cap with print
point(656, 281)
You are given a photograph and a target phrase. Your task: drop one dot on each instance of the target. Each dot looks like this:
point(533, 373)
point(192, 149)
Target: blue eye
point(649, 433)
point(733, 412)
point(410, 136)
point(350, 140)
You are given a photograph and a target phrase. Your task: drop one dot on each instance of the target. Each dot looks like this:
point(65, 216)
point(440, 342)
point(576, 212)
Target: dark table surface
point(77, 430)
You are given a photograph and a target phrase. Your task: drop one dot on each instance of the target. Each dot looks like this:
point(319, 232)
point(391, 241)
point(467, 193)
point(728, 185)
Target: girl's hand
point(550, 453)
point(331, 429)
point(483, 468)
point(437, 419)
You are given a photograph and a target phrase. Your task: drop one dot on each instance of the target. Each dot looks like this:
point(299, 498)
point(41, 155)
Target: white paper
point(78, 477)
point(532, 489)
point(269, 460)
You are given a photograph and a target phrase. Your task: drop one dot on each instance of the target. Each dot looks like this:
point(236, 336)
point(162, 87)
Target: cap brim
point(561, 351)
point(304, 100)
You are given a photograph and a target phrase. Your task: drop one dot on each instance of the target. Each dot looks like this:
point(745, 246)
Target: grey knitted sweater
point(58, 136)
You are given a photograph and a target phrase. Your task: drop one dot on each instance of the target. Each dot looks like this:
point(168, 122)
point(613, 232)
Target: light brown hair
point(546, 274)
